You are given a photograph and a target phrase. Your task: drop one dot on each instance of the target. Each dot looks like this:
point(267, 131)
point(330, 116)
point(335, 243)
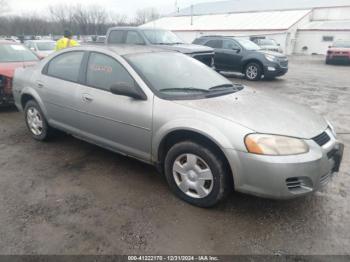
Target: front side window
point(214, 43)
point(116, 37)
point(228, 44)
point(182, 77)
point(134, 38)
point(104, 71)
point(16, 53)
point(66, 66)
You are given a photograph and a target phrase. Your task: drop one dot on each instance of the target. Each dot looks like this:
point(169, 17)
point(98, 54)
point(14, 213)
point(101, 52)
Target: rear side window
point(104, 71)
point(134, 38)
point(214, 43)
point(116, 37)
point(66, 66)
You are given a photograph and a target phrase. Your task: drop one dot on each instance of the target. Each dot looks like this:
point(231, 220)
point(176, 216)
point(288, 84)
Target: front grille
point(205, 58)
point(283, 62)
point(322, 139)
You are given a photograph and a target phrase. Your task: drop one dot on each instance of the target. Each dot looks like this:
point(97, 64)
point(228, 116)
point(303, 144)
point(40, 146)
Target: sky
point(127, 7)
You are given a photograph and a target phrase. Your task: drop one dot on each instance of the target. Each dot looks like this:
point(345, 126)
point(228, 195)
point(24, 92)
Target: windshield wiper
point(184, 89)
point(227, 86)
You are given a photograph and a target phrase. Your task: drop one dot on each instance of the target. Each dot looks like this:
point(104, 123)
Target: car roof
point(121, 49)
point(134, 28)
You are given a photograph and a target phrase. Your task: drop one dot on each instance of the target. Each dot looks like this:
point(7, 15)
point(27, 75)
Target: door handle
point(87, 98)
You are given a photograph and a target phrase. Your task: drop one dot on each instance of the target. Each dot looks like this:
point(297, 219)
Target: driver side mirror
point(125, 89)
point(236, 49)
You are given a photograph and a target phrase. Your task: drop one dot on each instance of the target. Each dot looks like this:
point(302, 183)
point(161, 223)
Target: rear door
point(59, 88)
point(220, 56)
point(117, 122)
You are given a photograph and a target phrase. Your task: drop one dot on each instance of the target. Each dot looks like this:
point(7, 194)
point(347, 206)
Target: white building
point(299, 26)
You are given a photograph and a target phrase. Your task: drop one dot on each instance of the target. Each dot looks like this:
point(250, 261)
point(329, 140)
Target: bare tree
point(3, 7)
point(146, 15)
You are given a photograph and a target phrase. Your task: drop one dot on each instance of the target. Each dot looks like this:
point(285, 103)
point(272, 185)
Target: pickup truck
point(159, 38)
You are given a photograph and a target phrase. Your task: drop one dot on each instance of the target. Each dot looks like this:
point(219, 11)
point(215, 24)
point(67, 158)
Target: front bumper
point(286, 177)
point(274, 70)
point(338, 59)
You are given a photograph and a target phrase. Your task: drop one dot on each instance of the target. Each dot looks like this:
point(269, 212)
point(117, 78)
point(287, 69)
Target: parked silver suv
point(206, 134)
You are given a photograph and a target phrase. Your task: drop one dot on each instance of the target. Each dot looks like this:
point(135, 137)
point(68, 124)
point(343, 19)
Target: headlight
point(271, 58)
point(275, 145)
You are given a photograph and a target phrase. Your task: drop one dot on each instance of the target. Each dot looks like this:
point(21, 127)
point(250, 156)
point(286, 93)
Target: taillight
point(6, 85)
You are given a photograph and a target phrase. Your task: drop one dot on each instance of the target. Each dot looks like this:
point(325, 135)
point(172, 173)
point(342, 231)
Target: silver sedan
point(207, 135)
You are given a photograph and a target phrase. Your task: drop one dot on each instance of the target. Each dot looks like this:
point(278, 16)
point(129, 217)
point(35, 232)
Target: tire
point(328, 62)
point(36, 122)
point(253, 71)
point(203, 191)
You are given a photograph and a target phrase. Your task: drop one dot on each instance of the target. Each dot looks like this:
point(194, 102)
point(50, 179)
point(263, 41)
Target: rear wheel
point(36, 122)
point(196, 174)
point(253, 71)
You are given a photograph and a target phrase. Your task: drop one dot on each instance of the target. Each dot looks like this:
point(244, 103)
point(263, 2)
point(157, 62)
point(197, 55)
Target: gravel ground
point(70, 197)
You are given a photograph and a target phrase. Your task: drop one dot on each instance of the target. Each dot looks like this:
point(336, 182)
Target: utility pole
point(191, 14)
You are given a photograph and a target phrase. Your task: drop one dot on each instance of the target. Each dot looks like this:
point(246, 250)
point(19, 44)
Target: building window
point(327, 38)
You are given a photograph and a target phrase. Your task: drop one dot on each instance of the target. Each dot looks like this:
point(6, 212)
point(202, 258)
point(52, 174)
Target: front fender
point(197, 126)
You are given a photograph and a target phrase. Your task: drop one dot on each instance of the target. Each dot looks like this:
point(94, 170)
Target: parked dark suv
point(160, 38)
point(244, 56)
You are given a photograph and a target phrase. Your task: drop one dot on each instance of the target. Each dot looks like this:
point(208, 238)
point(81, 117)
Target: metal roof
point(239, 6)
point(275, 20)
point(337, 25)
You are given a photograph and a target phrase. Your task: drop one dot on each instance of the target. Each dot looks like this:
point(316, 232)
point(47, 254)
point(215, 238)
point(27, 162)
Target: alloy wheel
point(252, 72)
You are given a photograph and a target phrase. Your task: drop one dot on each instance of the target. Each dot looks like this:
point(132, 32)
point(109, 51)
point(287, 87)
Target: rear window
point(116, 37)
point(16, 53)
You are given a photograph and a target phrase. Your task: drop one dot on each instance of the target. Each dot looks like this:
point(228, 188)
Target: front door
point(117, 122)
point(232, 54)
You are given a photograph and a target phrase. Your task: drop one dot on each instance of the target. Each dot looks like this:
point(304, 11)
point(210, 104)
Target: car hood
point(263, 113)
point(187, 48)
point(8, 69)
point(271, 53)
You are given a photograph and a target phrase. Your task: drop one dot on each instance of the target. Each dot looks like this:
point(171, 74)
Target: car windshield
point(15, 53)
point(183, 76)
point(162, 37)
point(267, 42)
point(46, 46)
point(345, 44)
point(248, 45)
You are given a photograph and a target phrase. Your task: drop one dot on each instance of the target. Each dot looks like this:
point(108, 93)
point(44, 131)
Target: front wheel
point(253, 71)
point(36, 122)
point(196, 174)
